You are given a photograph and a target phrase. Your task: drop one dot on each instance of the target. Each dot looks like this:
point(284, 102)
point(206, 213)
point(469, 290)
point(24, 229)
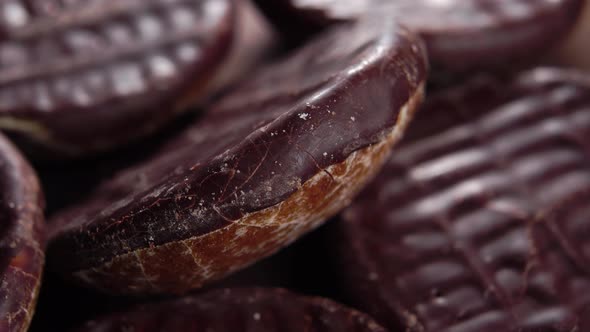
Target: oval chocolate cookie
point(480, 221)
point(239, 310)
point(21, 239)
point(274, 159)
point(459, 34)
point(83, 76)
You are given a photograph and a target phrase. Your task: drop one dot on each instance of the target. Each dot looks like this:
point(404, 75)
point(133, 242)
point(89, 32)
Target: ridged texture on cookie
point(81, 76)
point(480, 220)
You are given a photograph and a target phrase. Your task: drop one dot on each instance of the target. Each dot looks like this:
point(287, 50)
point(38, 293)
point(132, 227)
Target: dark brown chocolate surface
point(480, 220)
point(459, 34)
point(21, 239)
point(211, 200)
point(239, 310)
point(81, 76)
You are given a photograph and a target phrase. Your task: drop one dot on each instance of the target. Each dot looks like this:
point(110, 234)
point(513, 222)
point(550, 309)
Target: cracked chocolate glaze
point(480, 220)
point(273, 159)
point(82, 76)
point(239, 310)
point(460, 34)
point(21, 239)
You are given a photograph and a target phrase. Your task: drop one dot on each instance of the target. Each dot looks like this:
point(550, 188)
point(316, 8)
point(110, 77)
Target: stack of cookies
point(295, 165)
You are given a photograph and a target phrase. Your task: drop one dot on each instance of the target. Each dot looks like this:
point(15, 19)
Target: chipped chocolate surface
point(276, 157)
point(81, 76)
point(459, 34)
point(21, 239)
point(239, 310)
point(480, 220)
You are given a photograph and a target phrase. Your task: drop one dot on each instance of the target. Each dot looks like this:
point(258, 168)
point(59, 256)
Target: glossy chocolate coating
point(21, 239)
point(345, 92)
point(480, 221)
point(239, 310)
point(460, 34)
point(82, 76)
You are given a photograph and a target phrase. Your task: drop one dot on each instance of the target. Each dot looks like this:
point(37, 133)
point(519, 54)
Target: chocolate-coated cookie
point(480, 220)
point(271, 161)
point(460, 34)
point(239, 310)
point(22, 239)
point(77, 77)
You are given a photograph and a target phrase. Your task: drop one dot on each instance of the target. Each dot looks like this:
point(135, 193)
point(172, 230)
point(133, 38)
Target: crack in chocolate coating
point(460, 34)
point(22, 239)
point(263, 143)
point(81, 76)
point(480, 220)
point(239, 310)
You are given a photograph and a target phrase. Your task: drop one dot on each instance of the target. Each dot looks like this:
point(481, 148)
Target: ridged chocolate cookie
point(77, 77)
point(239, 310)
point(22, 239)
point(480, 220)
point(460, 34)
point(275, 158)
